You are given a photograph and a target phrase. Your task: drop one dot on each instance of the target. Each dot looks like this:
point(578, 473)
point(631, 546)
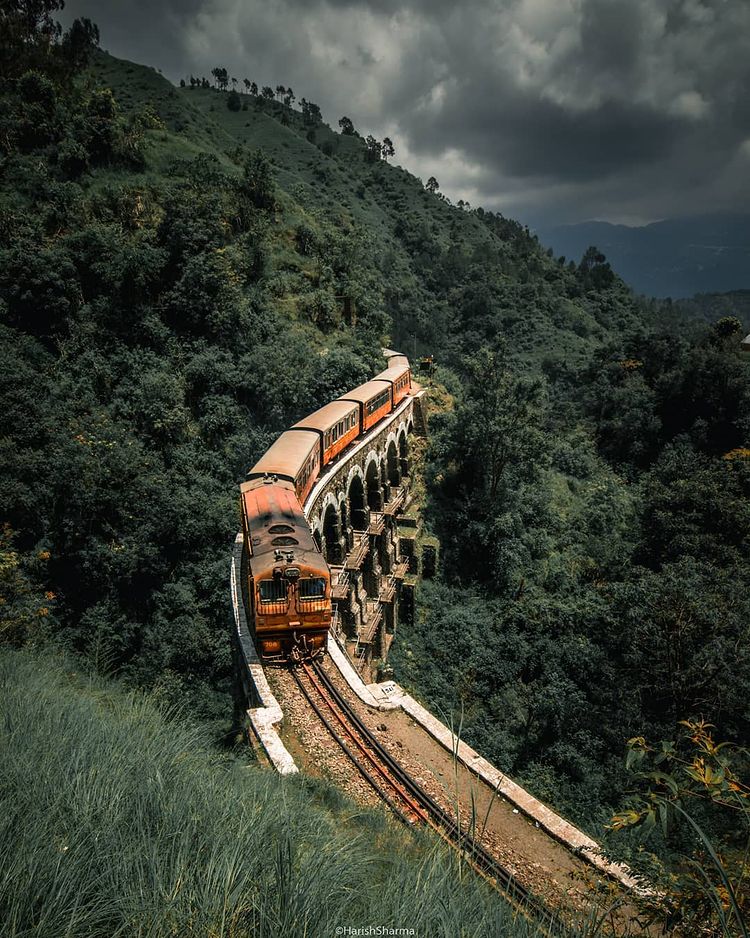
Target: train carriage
point(399, 377)
point(294, 457)
point(337, 425)
point(375, 401)
point(288, 580)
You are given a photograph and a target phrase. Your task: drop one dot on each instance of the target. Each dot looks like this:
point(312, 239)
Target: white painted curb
point(389, 696)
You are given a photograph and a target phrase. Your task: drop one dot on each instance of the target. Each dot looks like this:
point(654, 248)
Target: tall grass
point(117, 818)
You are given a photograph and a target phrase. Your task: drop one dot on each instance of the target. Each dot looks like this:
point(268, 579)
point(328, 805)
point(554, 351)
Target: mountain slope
point(675, 257)
point(429, 261)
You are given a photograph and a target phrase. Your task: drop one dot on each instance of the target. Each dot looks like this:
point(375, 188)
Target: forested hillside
point(180, 281)
point(186, 271)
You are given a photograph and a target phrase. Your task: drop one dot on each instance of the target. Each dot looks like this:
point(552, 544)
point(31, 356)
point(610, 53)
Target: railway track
point(406, 798)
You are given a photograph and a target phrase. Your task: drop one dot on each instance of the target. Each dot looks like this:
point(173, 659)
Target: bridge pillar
point(334, 542)
point(375, 497)
point(372, 569)
point(403, 455)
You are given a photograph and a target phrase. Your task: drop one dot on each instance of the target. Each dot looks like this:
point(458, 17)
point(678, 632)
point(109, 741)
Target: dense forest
point(186, 271)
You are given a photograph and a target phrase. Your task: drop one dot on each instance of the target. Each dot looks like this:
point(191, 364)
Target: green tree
point(79, 43)
point(221, 77)
point(257, 183)
point(594, 271)
point(374, 149)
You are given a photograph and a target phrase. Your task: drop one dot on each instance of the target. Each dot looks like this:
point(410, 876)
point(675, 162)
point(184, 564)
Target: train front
point(288, 581)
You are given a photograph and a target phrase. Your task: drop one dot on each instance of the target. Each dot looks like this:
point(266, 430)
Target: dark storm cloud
point(532, 137)
point(547, 109)
point(611, 36)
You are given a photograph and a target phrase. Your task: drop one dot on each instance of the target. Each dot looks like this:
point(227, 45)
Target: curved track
point(406, 798)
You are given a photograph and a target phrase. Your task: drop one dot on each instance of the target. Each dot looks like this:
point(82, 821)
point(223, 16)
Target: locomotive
point(288, 580)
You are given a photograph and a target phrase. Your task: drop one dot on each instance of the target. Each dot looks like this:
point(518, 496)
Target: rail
point(341, 585)
point(367, 630)
point(406, 798)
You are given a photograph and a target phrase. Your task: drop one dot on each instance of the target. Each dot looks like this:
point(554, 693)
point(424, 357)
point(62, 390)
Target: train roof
point(325, 417)
point(275, 521)
point(287, 455)
point(392, 372)
point(366, 391)
point(395, 358)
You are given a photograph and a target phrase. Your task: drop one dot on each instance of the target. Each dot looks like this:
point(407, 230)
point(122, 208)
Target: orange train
point(288, 580)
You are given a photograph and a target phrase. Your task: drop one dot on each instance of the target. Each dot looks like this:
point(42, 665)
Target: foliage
point(140, 326)
point(687, 785)
point(595, 574)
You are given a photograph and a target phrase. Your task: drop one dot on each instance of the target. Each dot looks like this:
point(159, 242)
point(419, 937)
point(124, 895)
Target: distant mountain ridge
point(677, 257)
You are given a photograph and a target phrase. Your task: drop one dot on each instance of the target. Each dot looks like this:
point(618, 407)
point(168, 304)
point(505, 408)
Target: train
point(287, 579)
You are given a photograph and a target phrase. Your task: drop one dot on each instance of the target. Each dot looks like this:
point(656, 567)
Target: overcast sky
point(547, 110)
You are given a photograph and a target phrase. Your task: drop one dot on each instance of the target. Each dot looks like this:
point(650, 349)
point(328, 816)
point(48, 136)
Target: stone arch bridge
point(353, 513)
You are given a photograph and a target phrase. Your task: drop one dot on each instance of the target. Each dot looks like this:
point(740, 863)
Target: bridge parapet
point(352, 512)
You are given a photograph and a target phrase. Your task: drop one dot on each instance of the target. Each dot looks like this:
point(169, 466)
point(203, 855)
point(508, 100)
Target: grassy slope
point(345, 189)
point(118, 819)
point(197, 123)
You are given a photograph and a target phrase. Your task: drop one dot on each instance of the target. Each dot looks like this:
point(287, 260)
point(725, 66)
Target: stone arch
point(357, 503)
point(403, 454)
point(318, 538)
point(392, 464)
point(332, 535)
point(374, 486)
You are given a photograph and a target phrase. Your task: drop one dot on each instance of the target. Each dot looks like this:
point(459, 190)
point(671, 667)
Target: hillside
point(709, 307)
point(676, 257)
point(427, 257)
point(156, 247)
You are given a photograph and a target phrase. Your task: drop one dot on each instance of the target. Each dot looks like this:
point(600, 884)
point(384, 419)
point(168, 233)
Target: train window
point(284, 541)
point(272, 591)
point(377, 402)
point(281, 529)
point(312, 588)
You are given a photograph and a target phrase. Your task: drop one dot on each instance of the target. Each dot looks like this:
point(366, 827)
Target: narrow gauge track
point(406, 798)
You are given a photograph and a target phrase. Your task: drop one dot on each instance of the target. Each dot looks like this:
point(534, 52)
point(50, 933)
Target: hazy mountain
point(677, 257)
